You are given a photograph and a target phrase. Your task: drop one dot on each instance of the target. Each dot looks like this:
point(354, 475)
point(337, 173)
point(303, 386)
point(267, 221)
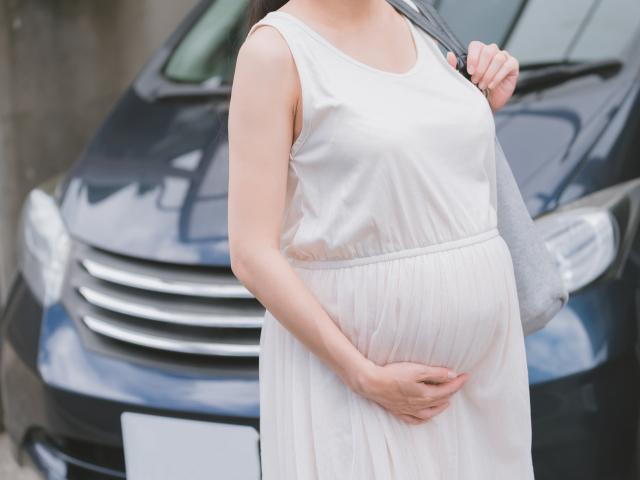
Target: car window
point(535, 31)
point(207, 52)
point(547, 31)
point(487, 20)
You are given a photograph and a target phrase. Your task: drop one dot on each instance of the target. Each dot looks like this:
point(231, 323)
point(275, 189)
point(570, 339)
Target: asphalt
point(9, 470)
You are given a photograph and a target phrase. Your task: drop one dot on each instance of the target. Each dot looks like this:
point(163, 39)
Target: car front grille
point(187, 309)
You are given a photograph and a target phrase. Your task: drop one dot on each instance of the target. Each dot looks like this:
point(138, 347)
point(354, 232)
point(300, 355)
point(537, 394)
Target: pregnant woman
point(362, 215)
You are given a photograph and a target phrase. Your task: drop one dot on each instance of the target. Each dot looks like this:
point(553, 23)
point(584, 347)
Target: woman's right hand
point(413, 391)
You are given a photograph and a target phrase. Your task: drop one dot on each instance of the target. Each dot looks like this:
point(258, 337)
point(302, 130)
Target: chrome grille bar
point(142, 338)
point(150, 312)
point(150, 304)
point(153, 283)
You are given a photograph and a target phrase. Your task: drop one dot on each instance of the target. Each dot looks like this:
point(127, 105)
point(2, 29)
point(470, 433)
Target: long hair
point(259, 8)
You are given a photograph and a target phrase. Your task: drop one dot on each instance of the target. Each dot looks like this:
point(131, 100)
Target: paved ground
point(8, 468)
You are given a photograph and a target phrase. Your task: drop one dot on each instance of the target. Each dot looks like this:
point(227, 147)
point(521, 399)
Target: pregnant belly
point(442, 308)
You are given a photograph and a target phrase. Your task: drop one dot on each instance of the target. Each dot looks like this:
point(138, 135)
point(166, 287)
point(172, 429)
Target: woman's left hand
point(492, 69)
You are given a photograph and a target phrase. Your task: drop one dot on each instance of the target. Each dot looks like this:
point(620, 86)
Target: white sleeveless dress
point(391, 223)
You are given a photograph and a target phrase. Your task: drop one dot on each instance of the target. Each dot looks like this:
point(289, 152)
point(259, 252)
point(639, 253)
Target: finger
point(498, 60)
point(419, 409)
point(487, 53)
point(437, 374)
point(451, 58)
point(445, 390)
point(509, 66)
point(410, 418)
point(473, 53)
point(438, 393)
point(484, 59)
point(429, 413)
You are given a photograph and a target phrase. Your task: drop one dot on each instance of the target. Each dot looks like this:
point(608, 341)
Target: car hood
point(547, 135)
point(153, 182)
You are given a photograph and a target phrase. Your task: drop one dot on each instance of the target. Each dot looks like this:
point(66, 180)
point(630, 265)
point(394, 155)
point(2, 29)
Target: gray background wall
point(63, 64)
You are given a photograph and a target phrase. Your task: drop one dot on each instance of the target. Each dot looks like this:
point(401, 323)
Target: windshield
point(547, 31)
point(534, 31)
point(207, 52)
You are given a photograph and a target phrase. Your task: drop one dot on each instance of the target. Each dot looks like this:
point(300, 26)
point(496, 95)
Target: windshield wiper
point(168, 89)
point(164, 87)
point(539, 76)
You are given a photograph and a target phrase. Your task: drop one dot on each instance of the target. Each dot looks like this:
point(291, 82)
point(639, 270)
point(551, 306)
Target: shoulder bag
point(541, 290)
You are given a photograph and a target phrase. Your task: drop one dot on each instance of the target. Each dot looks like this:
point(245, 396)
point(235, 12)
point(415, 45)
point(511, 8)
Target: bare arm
point(261, 118)
point(261, 123)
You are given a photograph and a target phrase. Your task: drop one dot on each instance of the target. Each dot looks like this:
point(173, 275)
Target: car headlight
point(590, 238)
point(43, 243)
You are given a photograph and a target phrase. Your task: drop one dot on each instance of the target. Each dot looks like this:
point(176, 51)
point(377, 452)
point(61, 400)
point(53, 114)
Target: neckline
point(346, 56)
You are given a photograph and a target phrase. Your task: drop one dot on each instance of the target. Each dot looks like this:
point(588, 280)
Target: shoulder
point(265, 77)
point(265, 73)
point(265, 51)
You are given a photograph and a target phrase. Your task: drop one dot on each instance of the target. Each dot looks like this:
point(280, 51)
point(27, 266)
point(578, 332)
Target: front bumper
point(584, 379)
point(63, 401)
point(55, 464)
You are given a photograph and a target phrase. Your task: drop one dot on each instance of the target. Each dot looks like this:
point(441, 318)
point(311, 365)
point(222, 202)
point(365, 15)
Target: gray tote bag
point(541, 290)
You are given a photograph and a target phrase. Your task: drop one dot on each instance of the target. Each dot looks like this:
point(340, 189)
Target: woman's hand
point(492, 69)
point(413, 391)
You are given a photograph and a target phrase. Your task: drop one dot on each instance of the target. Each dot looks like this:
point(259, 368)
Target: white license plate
point(166, 448)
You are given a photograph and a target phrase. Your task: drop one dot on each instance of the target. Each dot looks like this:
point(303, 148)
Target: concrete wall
point(63, 64)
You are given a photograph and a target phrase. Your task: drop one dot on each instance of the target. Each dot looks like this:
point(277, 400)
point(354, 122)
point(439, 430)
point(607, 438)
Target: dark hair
point(259, 8)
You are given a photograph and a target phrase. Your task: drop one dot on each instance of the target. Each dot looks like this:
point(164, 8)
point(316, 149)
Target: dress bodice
point(384, 161)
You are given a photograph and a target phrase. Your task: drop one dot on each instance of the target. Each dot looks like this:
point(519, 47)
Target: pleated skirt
point(453, 304)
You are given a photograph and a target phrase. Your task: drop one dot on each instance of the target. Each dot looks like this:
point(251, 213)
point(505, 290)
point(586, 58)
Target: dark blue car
point(124, 314)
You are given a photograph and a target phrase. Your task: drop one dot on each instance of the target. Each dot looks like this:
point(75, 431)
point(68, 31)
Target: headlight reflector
point(43, 246)
point(584, 242)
